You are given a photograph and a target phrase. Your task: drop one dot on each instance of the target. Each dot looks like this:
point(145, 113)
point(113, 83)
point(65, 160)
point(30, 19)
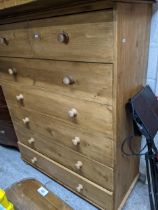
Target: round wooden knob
point(68, 80)
point(79, 165)
point(34, 160)
point(20, 97)
point(26, 120)
point(76, 141)
point(31, 140)
point(37, 36)
point(72, 113)
point(63, 37)
point(12, 71)
point(79, 188)
point(3, 40)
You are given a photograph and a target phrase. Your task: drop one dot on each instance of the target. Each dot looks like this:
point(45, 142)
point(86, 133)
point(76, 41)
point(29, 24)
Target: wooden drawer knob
point(72, 113)
point(79, 165)
point(63, 37)
point(34, 160)
point(36, 36)
point(20, 97)
point(31, 140)
point(3, 40)
point(26, 120)
point(12, 71)
point(76, 141)
point(68, 80)
point(79, 188)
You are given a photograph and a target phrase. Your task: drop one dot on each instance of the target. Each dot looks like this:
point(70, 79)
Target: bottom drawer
point(95, 194)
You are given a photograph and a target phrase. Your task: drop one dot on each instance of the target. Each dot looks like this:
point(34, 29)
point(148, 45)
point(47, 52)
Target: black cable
point(128, 139)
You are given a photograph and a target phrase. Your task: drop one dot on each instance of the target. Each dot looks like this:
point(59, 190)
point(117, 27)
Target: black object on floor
point(143, 108)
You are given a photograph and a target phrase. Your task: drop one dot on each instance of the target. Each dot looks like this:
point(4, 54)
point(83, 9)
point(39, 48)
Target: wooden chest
point(7, 132)
point(67, 69)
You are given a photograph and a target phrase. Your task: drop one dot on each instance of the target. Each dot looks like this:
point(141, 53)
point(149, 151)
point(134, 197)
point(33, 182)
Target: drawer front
point(14, 40)
point(79, 37)
point(83, 187)
point(89, 81)
point(93, 145)
point(82, 114)
point(90, 169)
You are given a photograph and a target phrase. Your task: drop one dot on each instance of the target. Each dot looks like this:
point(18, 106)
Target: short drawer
point(97, 195)
point(79, 37)
point(89, 81)
point(14, 40)
point(76, 112)
point(94, 145)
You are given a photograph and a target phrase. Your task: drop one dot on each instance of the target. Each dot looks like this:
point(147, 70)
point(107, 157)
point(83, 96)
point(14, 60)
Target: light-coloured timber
point(90, 191)
point(67, 70)
point(88, 81)
point(55, 130)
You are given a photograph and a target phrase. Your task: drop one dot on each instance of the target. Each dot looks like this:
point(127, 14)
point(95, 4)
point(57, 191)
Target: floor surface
point(13, 169)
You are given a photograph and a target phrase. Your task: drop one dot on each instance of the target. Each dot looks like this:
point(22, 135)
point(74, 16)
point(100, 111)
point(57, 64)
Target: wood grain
point(91, 191)
point(12, 3)
point(110, 42)
point(91, 116)
point(94, 145)
point(133, 24)
point(17, 40)
point(90, 38)
point(31, 11)
point(92, 170)
point(24, 195)
point(93, 82)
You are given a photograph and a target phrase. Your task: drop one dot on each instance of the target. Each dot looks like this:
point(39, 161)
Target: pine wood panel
point(92, 170)
point(118, 35)
point(90, 38)
point(25, 195)
point(30, 11)
point(133, 24)
point(91, 116)
point(94, 145)
point(93, 81)
point(30, 4)
point(4, 4)
point(92, 192)
point(16, 42)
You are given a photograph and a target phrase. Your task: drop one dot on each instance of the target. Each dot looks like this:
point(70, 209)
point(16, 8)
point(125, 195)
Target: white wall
point(152, 72)
point(152, 75)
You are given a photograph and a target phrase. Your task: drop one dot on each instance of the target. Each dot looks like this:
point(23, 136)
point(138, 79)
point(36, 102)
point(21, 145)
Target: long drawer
point(79, 37)
point(94, 145)
point(92, 170)
point(89, 81)
point(83, 187)
point(83, 114)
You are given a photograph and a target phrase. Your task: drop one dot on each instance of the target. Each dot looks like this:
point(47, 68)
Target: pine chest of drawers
point(67, 69)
